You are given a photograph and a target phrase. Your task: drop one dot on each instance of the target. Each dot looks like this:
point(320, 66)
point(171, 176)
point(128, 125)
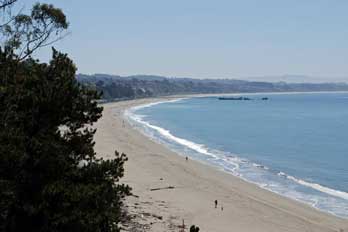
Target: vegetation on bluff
point(139, 86)
point(50, 177)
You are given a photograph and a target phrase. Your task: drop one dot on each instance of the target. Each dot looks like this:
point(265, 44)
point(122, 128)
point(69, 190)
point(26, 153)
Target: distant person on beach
point(216, 203)
point(186, 158)
point(222, 208)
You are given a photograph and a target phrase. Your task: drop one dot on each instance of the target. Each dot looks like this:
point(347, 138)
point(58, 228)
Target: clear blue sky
point(216, 38)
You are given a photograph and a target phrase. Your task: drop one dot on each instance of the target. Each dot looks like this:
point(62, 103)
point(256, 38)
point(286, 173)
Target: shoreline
point(246, 206)
point(142, 126)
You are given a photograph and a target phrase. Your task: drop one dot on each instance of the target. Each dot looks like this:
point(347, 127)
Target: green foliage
point(140, 86)
point(194, 228)
point(25, 33)
point(50, 177)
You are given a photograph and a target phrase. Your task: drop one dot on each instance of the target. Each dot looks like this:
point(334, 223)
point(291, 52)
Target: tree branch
point(6, 3)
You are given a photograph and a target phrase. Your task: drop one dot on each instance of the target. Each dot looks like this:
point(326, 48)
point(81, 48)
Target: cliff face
point(117, 87)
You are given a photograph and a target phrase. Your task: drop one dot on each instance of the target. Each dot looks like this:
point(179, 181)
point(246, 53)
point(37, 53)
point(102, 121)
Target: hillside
point(118, 87)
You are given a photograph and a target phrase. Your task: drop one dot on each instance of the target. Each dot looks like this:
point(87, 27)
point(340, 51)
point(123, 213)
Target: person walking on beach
point(216, 203)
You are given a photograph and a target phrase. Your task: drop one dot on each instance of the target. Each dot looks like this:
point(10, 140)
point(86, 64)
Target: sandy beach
point(152, 168)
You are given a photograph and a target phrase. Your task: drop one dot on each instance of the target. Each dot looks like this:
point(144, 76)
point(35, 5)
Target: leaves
point(45, 134)
point(25, 33)
point(50, 177)
point(6, 3)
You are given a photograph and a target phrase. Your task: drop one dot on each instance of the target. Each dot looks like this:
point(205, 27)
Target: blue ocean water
point(292, 144)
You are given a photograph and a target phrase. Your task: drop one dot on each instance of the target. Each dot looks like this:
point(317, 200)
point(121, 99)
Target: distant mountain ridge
point(291, 78)
point(138, 86)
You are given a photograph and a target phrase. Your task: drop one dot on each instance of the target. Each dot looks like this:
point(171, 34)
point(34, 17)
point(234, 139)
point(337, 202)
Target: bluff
point(128, 87)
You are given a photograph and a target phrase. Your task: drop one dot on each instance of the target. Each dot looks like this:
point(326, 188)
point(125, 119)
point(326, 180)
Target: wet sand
point(193, 188)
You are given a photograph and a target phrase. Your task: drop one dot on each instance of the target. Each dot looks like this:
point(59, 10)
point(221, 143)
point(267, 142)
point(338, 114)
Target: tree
point(23, 34)
point(50, 176)
point(6, 3)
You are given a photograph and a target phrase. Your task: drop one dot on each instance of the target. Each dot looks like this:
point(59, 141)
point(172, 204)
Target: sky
point(291, 40)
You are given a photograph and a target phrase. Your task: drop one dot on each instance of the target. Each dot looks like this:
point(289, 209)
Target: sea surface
point(295, 145)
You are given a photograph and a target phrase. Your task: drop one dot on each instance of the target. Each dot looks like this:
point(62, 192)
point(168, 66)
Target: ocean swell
point(321, 197)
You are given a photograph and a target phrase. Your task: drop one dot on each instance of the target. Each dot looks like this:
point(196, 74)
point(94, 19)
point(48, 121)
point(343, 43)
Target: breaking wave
point(321, 197)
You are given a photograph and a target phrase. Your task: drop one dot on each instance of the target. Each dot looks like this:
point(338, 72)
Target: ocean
point(293, 144)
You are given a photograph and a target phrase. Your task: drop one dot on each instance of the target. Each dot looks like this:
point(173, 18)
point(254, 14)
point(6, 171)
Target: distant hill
point(139, 86)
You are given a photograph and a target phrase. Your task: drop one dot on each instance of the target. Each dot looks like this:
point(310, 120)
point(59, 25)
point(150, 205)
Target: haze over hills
point(298, 78)
point(137, 86)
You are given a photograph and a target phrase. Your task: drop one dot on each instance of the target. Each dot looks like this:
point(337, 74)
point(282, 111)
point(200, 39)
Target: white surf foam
point(236, 161)
point(135, 108)
point(316, 186)
point(166, 133)
point(320, 188)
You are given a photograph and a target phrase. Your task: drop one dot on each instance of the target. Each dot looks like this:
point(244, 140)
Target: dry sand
point(246, 207)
